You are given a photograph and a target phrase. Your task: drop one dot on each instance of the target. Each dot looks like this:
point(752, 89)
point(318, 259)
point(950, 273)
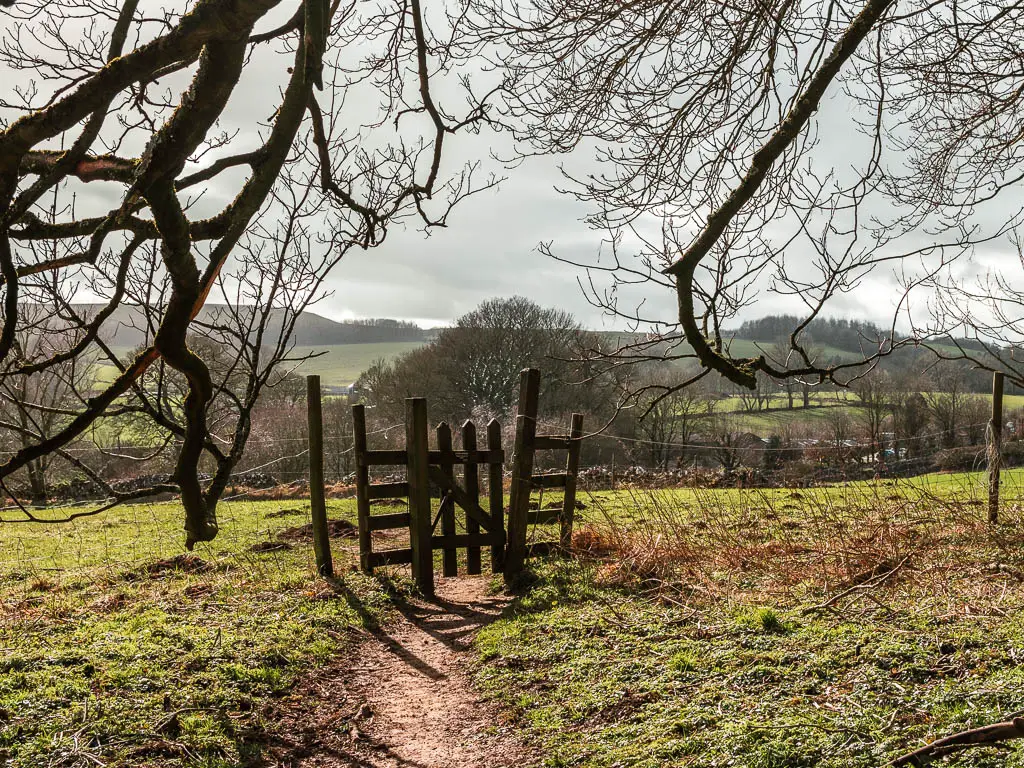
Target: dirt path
point(404, 700)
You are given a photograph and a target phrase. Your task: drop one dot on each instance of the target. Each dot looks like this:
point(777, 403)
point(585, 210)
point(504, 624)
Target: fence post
point(450, 555)
point(470, 477)
point(362, 487)
point(419, 494)
point(522, 471)
point(496, 495)
point(572, 466)
point(995, 447)
point(317, 502)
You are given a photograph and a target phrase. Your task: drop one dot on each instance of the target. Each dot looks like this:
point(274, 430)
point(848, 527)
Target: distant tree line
point(312, 330)
point(841, 333)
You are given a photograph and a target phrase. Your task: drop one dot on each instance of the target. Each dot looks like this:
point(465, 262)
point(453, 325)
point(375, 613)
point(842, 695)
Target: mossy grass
point(693, 631)
point(122, 648)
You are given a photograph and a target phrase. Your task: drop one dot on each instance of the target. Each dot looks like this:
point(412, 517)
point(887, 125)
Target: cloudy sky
point(489, 249)
point(491, 246)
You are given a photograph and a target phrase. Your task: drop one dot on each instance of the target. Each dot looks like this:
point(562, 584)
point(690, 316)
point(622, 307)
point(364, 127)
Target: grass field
point(341, 364)
point(684, 632)
point(824, 406)
point(120, 649)
point(840, 626)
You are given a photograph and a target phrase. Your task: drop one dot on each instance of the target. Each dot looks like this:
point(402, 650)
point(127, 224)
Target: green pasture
point(833, 627)
point(682, 632)
point(341, 364)
point(122, 649)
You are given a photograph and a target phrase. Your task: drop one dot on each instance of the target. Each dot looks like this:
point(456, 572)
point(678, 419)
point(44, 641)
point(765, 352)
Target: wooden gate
point(431, 473)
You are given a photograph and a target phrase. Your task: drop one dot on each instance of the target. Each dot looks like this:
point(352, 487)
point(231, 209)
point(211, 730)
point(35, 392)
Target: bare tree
point(722, 177)
point(874, 391)
point(89, 99)
point(947, 400)
point(474, 366)
point(34, 406)
point(668, 421)
point(759, 397)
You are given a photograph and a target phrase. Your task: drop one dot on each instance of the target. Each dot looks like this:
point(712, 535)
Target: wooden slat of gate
point(461, 497)
point(391, 557)
point(462, 540)
point(471, 479)
point(466, 457)
point(418, 473)
point(522, 471)
point(572, 468)
point(449, 559)
point(551, 480)
point(387, 490)
point(389, 521)
point(362, 486)
point(383, 458)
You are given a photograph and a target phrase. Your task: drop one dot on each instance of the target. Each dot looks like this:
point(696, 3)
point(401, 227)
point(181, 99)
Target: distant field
point(339, 365)
point(824, 405)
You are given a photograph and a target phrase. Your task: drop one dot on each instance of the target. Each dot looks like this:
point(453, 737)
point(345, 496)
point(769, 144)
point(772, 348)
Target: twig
point(856, 588)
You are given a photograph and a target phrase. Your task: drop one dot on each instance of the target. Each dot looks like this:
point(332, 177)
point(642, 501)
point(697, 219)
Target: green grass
point(1011, 402)
point(341, 364)
point(680, 640)
point(119, 650)
point(778, 421)
point(689, 637)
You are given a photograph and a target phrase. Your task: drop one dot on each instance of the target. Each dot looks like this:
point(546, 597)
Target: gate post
point(317, 502)
point(572, 467)
point(496, 495)
point(419, 494)
point(995, 448)
point(522, 471)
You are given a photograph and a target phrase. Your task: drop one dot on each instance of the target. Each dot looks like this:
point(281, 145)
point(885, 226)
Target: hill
point(125, 328)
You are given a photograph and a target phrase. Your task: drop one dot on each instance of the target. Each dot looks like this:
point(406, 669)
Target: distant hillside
point(124, 328)
point(839, 333)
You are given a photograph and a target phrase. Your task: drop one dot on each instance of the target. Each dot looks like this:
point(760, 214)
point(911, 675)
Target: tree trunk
point(37, 484)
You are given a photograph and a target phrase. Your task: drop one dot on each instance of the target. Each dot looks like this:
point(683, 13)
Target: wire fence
point(265, 527)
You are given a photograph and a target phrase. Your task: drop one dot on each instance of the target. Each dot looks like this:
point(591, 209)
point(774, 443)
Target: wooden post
point(317, 502)
point(450, 558)
point(471, 478)
point(995, 456)
point(572, 467)
point(496, 496)
point(522, 471)
point(419, 494)
point(362, 487)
